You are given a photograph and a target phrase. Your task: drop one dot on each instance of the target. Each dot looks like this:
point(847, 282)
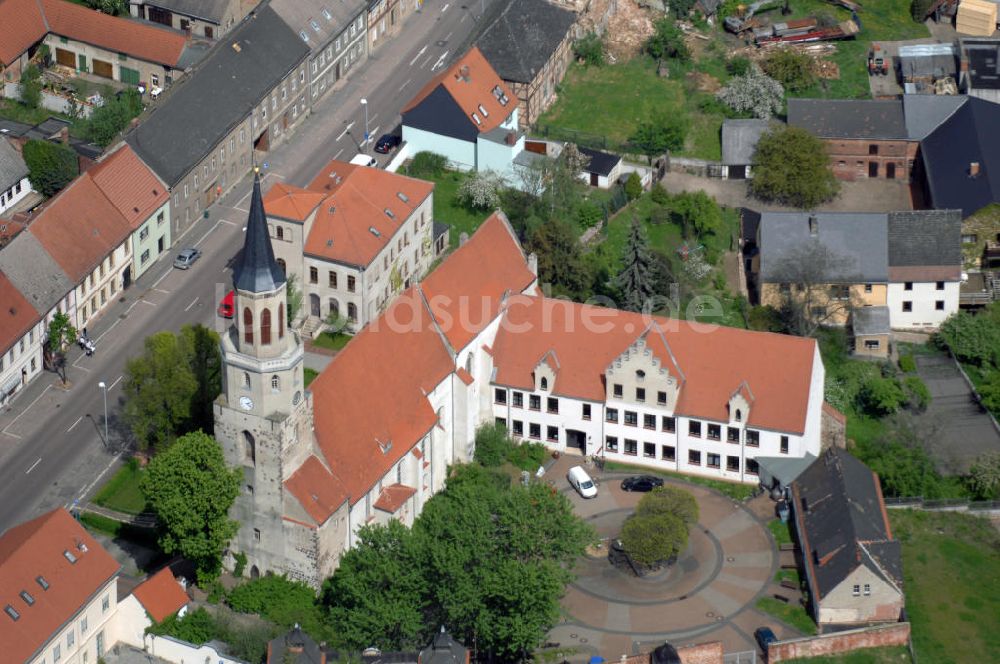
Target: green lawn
point(899, 655)
point(332, 340)
point(101, 524)
point(447, 209)
point(734, 490)
point(121, 493)
point(951, 570)
point(791, 613)
point(309, 375)
point(787, 575)
point(780, 531)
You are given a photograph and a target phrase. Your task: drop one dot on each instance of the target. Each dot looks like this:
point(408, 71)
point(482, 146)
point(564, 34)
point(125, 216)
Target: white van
point(362, 159)
point(580, 480)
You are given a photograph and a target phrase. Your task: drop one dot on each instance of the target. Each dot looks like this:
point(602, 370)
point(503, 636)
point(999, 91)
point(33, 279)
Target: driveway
point(707, 596)
point(963, 430)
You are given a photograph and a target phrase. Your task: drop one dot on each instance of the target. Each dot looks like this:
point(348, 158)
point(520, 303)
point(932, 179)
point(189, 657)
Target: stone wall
point(896, 634)
point(703, 653)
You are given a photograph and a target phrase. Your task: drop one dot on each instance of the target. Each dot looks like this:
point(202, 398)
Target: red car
point(227, 304)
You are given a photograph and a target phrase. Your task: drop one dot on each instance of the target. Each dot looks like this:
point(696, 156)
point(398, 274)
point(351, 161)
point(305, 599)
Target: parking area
point(708, 595)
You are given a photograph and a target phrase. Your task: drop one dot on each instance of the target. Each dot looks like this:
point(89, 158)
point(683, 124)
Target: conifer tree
point(637, 278)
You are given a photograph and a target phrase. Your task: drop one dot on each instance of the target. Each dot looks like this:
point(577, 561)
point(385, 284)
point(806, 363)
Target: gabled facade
point(14, 182)
point(201, 18)
point(385, 19)
point(467, 114)
point(354, 239)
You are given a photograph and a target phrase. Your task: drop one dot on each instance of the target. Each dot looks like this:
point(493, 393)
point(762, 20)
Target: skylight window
point(403, 197)
point(326, 14)
point(313, 24)
point(26, 596)
point(12, 612)
point(70, 557)
point(374, 231)
point(40, 580)
point(305, 37)
point(484, 111)
point(476, 118)
point(389, 213)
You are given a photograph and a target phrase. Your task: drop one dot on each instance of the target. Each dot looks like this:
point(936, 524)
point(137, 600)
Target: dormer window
point(484, 112)
point(475, 117)
point(739, 415)
point(26, 596)
point(544, 383)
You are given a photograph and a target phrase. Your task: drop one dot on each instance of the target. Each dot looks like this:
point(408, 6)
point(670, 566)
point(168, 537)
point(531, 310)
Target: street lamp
point(364, 103)
point(104, 388)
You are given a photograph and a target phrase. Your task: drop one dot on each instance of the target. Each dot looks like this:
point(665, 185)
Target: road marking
point(417, 56)
point(371, 119)
point(244, 211)
point(374, 133)
point(74, 424)
point(346, 129)
point(33, 466)
point(160, 290)
point(191, 305)
point(118, 380)
point(448, 36)
point(462, 20)
point(47, 388)
point(12, 435)
point(445, 8)
point(427, 61)
point(97, 479)
point(408, 81)
point(157, 283)
point(339, 152)
point(226, 221)
point(152, 304)
point(440, 61)
point(98, 339)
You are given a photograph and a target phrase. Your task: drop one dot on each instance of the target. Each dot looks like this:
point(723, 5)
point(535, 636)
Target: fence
point(587, 140)
point(979, 507)
point(895, 634)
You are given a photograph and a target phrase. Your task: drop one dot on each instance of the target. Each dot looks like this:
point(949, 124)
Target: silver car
point(186, 258)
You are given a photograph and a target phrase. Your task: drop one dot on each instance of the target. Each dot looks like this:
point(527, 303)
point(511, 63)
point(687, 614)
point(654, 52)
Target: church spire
point(257, 271)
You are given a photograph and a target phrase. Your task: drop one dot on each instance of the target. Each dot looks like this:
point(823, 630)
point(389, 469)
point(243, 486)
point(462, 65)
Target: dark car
point(765, 637)
point(387, 143)
point(641, 483)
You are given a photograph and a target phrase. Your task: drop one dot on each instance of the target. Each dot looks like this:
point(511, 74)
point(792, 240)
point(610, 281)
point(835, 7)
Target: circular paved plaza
point(708, 595)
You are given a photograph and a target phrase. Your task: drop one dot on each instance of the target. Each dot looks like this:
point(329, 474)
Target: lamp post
point(104, 388)
point(364, 103)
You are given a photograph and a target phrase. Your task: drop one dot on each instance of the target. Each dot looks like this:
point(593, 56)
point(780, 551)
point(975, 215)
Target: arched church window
point(275, 383)
point(281, 320)
point(247, 325)
point(281, 264)
point(265, 327)
point(249, 449)
point(246, 380)
point(739, 415)
point(545, 383)
point(279, 232)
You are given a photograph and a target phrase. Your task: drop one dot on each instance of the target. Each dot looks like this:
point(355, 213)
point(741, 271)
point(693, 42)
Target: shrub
point(108, 120)
point(667, 41)
point(918, 397)
point(427, 164)
point(481, 190)
point(241, 564)
point(660, 134)
point(492, 445)
point(753, 92)
point(738, 66)
point(972, 338)
point(681, 7)
point(659, 194)
point(795, 70)
point(51, 166)
point(589, 214)
point(279, 599)
point(650, 539)
point(527, 456)
point(589, 49)
point(670, 500)
point(919, 9)
point(881, 396)
point(31, 87)
point(907, 364)
point(766, 319)
point(633, 186)
point(984, 476)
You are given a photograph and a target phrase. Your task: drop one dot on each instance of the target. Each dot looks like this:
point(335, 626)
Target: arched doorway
point(254, 572)
point(314, 305)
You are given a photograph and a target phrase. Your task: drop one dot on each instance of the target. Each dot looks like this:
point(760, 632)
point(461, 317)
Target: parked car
point(387, 143)
point(765, 637)
point(641, 483)
point(186, 258)
point(580, 480)
point(362, 159)
point(226, 305)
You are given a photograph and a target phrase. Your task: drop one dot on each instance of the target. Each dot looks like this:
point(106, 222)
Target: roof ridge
point(434, 321)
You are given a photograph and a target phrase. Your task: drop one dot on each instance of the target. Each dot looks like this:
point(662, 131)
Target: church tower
point(263, 418)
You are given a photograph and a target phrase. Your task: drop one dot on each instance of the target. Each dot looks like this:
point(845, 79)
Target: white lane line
point(152, 304)
point(427, 61)
point(131, 307)
point(407, 82)
point(339, 152)
point(193, 302)
point(448, 36)
point(117, 380)
point(47, 388)
point(346, 129)
point(440, 61)
point(97, 479)
point(445, 8)
point(243, 210)
point(161, 279)
point(160, 290)
point(417, 56)
point(98, 339)
point(12, 435)
point(226, 221)
point(371, 119)
point(373, 134)
point(462, 20)
point(38, 461)
point(74, 424)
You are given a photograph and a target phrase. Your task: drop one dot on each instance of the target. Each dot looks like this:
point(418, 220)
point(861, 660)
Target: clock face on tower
point(246, 403)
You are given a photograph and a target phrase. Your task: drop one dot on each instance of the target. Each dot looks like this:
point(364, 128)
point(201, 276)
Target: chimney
point(464, 73)
point(64, 135)
point(974, 169)
point(813, 225)
point(510, 138)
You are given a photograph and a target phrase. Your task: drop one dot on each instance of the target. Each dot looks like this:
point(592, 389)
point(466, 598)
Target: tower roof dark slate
point(256, 270)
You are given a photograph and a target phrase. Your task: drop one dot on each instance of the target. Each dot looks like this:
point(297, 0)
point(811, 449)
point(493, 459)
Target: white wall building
point(14, 182)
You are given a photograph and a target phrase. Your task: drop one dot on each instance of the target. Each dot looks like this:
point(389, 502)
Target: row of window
point(265, 325)
point(630, 447)
point(8, 195)
point(908, 305)
point(640, 392)
point(332, 279)
point(534, 430)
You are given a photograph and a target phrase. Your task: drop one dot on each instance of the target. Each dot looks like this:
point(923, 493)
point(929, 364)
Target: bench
point(791, 585)
point(786, 547)
point(780, 598)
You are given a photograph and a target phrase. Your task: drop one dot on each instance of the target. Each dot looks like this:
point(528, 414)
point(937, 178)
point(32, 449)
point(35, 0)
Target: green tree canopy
point(589, 49)
point(881, 396)
point(660, 133)
point(200, 346)
point(560, 260)
point(669, 499)
point(113, 116)
point(51, 166)
point(492, 445)
point(984, 476)
point(650, 539)
point(31, 87)
point(697, 210)
point(637, 278)
point(793, 69)
point(667, 41)
point(973, 338)
point(792, 167)
point(190, 489)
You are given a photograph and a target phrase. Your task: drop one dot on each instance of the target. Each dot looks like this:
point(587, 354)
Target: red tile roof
point(36, 550)
point(140, 40)
point(470, 82)
point(925, 273)
point(21, 25)
point(80, 227)
point(161, 595)
point(391, 365)
point(714, 360)
point(130, 185)
point(318, 491)
point(17, 315)
point(465, 292)
point(288, 202)
point(465, 376)
point(393, 497)
point(357, 198)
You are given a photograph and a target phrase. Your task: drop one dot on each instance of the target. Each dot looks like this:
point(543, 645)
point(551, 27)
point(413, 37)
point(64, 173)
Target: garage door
point(102, 68)
point(129, 75)
point(65, 58)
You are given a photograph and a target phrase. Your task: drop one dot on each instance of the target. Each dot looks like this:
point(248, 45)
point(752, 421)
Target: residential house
point(59, 592)
point(335, 33)
point(297, 647)
point(85, 40)
point(739, 145)
point(151, 602)
point(245, 96)
point(853, 565)
point(14, 182)
point(55, 130)
point(385, 19)
point(603, 169)
point(474, 343)
point(465, 114)
point(906, 266)
point(353, 239)
point(530, 45)
point(204, 18)
point(17, 363)
point(979, 71)
point(142, 200)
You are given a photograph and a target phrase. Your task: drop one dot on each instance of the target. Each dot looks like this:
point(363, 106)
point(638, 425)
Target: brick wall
point(855, 159)
point(703, 653)
point(896, 634)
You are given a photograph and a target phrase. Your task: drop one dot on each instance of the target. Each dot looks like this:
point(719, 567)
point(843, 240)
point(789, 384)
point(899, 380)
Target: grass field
point(332, 340)
point(734, 490)
point(447, 209)
point(791, 613)
point(309, 375)
point(951, 569)
point(780, 532)
point(121, 493)
point(898, 655)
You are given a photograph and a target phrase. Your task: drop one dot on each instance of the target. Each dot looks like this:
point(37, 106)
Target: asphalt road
point(52, 445)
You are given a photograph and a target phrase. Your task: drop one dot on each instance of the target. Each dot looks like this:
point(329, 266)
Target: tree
point(681, 7)
point(972, 338)
point(427, 165)
point(481, 190)
point(560, 261)
point(190, 489)
point(635, 280)
point(112, 7)
point(61, 334)
point(283, 601)
point(795, 70)
point(754, 92)
point(652, 539)
point(667, 41)
point(293, 297)
point(633, 186)
point(984, 476)
point(378, 595)
point(659, 134)
point(492, 445)
point(881, 396)
point(159, 388)
point(31, 87)
point(670, 500)
point(589, 49)
point(51, 166)
point(113, 116)
point(919, 9)
point(697, 210)
point(792, 167)
point(200, 346)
